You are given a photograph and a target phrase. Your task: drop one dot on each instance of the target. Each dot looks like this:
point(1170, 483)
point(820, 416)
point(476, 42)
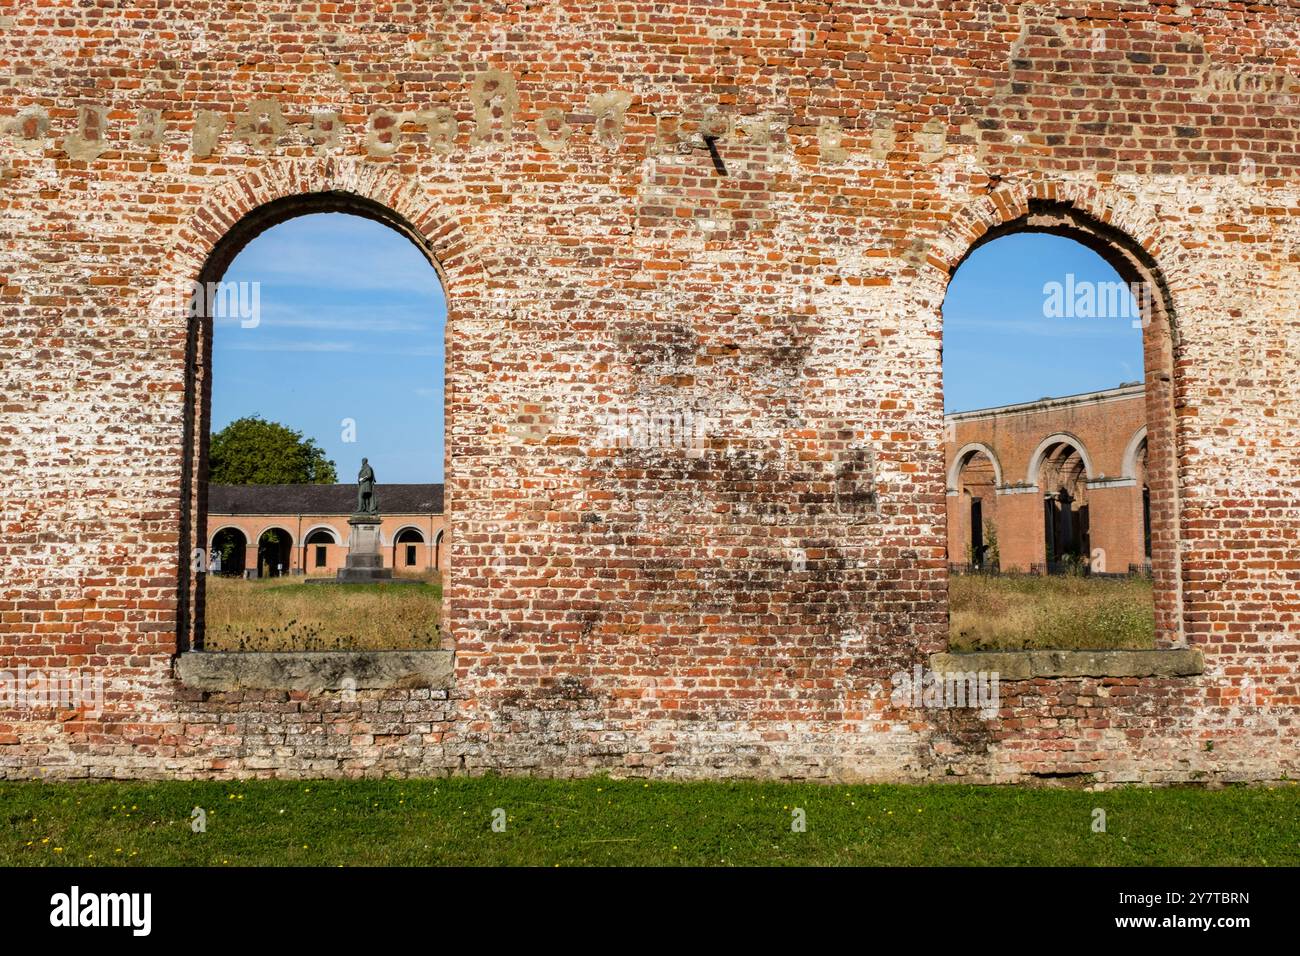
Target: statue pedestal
point(365, 561)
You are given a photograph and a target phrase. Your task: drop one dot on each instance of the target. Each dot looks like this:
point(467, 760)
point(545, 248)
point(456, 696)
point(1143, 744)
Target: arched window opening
point(407, 548)
point(318, 344)
point(1058, 375)
point(1063, 479)
point(1141, 479)
point(318, 546)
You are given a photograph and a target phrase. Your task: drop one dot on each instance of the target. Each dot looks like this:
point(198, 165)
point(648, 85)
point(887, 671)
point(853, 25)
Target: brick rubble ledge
point(1020, 665)
point(315, 671)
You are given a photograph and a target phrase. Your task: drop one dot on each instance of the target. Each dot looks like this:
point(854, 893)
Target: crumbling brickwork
point(695, 256)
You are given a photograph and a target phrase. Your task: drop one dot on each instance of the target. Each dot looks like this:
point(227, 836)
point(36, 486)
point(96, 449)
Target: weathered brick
point(738, 220)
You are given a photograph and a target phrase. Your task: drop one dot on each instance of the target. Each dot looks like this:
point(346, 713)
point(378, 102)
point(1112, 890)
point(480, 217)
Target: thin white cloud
point(264, 346)
point(1050, 328)
point(341, 253)
point(252, 345)
point(363, 318)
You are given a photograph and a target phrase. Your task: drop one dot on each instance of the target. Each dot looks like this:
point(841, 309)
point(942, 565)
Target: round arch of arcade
point(1050, 445)
point(318, 530)
point(320, 543)
point(1135, 450)
point(964, 456)
point(228, 550)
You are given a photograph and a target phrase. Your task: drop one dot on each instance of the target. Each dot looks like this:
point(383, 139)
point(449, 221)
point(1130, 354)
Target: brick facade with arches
point(1084, 455)
point(312, 522)
point(740, 218)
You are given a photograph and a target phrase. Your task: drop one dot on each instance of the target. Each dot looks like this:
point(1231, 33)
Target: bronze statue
point(367, 499)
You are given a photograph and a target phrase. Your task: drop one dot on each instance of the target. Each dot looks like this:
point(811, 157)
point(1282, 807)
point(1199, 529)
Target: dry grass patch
point(1019, 612)
point(286, 614)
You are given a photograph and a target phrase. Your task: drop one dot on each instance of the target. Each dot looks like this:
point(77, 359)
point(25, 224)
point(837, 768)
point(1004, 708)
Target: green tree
point(253, 451)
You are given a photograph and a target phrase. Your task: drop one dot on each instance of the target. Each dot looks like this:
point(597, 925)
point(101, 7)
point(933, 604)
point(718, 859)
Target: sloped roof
point(320, 499)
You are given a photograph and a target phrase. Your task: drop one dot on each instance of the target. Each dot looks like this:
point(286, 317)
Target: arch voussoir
point(1014, 201)
point(434, 224)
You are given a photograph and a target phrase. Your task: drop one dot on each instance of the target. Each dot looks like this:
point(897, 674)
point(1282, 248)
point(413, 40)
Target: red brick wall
point(695, 256)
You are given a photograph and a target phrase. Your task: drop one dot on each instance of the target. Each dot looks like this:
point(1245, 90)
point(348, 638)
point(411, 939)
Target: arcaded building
point(269, 530)
point(1037, 485)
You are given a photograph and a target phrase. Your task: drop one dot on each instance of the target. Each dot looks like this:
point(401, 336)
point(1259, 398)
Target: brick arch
point(1050, 442)
point(275, 527)
point(334, 535)
point(286, 549)
point(235, 211)
point(212, 535)
point(962, 458)
point(429, 220)
point(1127, 235)
point(1113, 224)
point(1128, 468)
point(1003, 207)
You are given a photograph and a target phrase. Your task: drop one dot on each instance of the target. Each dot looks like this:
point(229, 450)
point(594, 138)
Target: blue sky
point(352, 320)
point(999, 348)
point(353, 316)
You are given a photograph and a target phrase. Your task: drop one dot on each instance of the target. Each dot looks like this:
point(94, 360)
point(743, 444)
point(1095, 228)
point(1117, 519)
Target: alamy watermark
point(922, 688)
point(213, 300)
point(54, 689)
point(75, 909)
point(684, 429)
point(1084, 299)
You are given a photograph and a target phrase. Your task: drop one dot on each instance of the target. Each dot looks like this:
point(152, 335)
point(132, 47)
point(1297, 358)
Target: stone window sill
point(1022, 665)
point(314, 671)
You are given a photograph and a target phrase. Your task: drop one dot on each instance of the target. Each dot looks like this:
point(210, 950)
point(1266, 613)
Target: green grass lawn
point(599, 821)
